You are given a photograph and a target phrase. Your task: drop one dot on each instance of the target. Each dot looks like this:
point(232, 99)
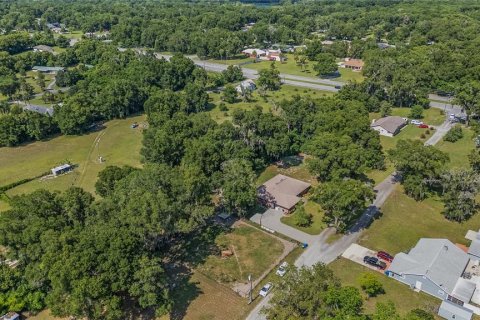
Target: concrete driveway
point(271, 219)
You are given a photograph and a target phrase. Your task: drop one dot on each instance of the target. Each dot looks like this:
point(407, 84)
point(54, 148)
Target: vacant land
point(317, 214)
point(254, 251)
point(267, 103)
point(459, 150)
point(117, 143)
point(404, 221)
point(404, 298)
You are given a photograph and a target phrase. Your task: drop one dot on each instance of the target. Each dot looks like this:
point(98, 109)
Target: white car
point(282, 269)
point(266, 289)
point(416, 122)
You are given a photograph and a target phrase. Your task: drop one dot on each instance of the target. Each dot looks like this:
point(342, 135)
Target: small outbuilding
point(64, 168)
point(246, 85)
point(51, 70)
point(389, 126)
point(10, 316)
point(452, 311)
point(43, 48)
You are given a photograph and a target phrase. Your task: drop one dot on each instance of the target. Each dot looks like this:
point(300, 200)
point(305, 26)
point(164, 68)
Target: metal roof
point(456, 309)
point(47, 69)
point(437, 259)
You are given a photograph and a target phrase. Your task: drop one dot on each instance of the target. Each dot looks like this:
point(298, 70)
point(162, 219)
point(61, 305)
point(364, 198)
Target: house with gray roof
point(434, 266)
point(389, 126)
point(43, 48)
point(453, 311)
point(44, 69)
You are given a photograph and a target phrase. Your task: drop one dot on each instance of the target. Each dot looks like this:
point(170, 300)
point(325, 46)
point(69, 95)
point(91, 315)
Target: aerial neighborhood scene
point(251, 159)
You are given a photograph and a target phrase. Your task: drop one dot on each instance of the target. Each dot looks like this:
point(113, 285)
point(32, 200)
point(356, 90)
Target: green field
point(289, 66)
point(254, 252)
point(295, 168)
point(268, 104)
point(117, 143)
point(317, 213)
point(404, 221)
point(402, 296)
point(458, 151)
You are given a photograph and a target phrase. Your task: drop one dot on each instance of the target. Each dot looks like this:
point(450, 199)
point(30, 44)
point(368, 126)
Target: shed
point(453, 311)
point(10, 316)
point(64, 168)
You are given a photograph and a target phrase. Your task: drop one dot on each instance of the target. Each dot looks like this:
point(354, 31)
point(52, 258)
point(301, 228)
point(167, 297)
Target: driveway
point(271, 219)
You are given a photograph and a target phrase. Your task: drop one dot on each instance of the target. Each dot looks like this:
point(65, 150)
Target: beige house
point(388, 126)
point(354, 64)
point(282, 192)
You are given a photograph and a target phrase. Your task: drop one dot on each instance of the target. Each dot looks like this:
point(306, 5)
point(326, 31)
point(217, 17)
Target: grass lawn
point(290, 67)
point(408, 132)
point(74, 34)
point(458, 151)
point(404, 298)
point(31, 79)
point(317, 225)
point(379, 175)
point(117, 143)
point(255, 251)
point(431, 116)
point(272, 98)
point(404, 221)
point(296, 169)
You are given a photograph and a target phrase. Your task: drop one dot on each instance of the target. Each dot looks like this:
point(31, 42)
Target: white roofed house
point(254, 53)
point(389, 126)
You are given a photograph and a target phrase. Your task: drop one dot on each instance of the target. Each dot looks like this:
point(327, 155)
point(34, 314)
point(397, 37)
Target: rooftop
point(354, 63)
point(47, 69)
point(437, 259)
point(390, 123)
point(284, 190)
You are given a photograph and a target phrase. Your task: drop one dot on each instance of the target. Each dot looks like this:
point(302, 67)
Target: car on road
point(423, 126)
point(282, 269)
point(338, 87)
point(384, 256)
point(266, 289)
point(374, 262)
point(416, 122)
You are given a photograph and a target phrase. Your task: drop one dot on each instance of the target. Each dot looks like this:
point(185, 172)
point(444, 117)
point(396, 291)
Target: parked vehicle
point(266, 289)
point(416, 122)
point(423, 126)
point(338, 87)
point(384, 256)
point(282, 269)
point(134, 125)
point(374, 262)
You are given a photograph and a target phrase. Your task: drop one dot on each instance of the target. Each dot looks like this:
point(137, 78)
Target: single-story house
point(246, 85)
point(39, 109)
point(436, 267)
point(389, 126)
point(275, 55)
point(43, 48)
point(64, 168)
point(47, 69)
point(10, 316)
point(282, 192)
point(254, 53)
point(327, 42)
point(354, 64)
point(452, 311)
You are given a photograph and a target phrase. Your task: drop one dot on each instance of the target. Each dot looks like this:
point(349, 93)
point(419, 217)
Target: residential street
point(321, 251)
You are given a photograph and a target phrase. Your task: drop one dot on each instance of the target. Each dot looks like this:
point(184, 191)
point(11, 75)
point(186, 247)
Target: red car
point(423, 126)
point(385, 256)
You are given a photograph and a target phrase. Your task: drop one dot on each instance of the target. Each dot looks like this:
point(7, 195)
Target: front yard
point(315, 211)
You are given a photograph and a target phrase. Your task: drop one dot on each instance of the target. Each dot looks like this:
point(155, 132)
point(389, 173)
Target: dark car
point(374, 262)
point(384, 256)
point(338, 87)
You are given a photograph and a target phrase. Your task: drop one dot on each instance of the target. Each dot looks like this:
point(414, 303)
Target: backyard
point(401, 295)
point(117, 143)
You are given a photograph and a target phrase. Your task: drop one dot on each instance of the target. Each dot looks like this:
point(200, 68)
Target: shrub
point(423, 136)
point(302, 218)
point(432, 128)
point(370, 284)
point(454, 134)
point(223, 107)
point(416, 112)
point(427, 132)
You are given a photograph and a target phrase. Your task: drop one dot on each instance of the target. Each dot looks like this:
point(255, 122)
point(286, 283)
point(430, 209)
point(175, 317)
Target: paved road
point(321, 251)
